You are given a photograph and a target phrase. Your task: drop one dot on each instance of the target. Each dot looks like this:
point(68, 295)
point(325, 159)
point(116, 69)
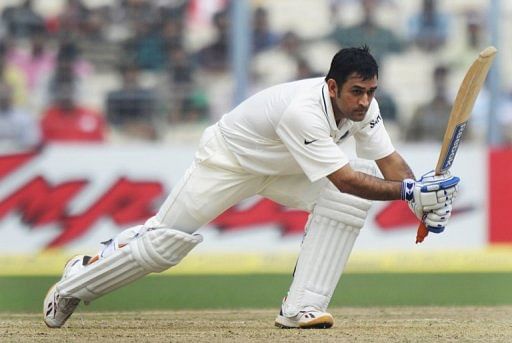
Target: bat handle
point(421, 233)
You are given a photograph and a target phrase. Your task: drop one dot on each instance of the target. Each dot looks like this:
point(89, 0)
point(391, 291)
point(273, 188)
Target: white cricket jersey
point(290, 129)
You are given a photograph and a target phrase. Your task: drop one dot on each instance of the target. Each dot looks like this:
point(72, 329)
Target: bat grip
point(421, 233)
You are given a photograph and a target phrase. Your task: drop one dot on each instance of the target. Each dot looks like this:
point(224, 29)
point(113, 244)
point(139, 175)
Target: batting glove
point(436, 220)
point(430, 198)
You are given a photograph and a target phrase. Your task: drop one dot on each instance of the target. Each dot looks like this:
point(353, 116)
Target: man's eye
point(357, 92)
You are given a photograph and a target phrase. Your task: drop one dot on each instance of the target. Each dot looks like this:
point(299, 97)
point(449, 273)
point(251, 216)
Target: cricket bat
point(459, 116)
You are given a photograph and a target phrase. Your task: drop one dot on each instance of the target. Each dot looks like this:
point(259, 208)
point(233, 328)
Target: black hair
point(352, 60)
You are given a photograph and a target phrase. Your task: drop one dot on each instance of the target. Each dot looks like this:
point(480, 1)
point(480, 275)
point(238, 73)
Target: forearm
point(394, 168)
point(365, 185)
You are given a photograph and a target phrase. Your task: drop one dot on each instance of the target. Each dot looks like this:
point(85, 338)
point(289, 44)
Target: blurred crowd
point(128, 70)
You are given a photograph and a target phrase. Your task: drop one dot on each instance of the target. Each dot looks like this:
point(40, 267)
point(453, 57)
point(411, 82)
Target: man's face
point(353, 99)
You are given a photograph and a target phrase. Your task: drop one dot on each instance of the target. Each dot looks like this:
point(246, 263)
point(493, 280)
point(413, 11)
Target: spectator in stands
point(195, 107)
point(22, 21)
point(70, 55)
point(147, 46)
point(137, 10)
point(337, 6)
point(127, 13)
point(334, 9)
point(173, 34)
point(73, 19)
point(78, 20)
point(180, 67)
point(67, 121)
point(64, 71)
point(131, 109)
point(215, 56)
point(304, 70)
point(291, 44)
point(18, 129)
point(387, 106)
point(67, 66)
point(460, 56)
point(177, 83)
point(381, 40)
point(262, 36)
point(172, 10)
point(97, 23)
point(429, 120)
point(475, 30)
point(389, 112)
point(462, 53)
point(428, 29)
point(38, 61)
point(286, 56)
point(13, 76)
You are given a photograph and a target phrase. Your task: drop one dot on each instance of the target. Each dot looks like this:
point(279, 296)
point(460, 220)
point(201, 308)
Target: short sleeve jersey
point(290, 129)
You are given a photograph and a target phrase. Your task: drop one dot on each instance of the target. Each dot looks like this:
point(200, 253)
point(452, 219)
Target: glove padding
point(430, 199)
point(436, 220)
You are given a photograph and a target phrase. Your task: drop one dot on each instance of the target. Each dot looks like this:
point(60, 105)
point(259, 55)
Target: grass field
point(25, 293)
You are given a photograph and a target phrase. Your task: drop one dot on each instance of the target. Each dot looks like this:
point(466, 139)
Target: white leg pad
point(331, 232)
point(155, 250)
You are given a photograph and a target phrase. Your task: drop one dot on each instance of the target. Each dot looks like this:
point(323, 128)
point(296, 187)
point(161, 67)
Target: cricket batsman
point(281, 143)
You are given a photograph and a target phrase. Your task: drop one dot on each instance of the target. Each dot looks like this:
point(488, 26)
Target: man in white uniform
point(282, 144)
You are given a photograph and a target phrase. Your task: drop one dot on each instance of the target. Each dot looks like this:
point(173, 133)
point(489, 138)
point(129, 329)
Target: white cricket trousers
point(215, 182)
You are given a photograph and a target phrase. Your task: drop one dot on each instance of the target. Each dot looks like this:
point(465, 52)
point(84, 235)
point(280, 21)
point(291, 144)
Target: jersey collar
point(328, 111)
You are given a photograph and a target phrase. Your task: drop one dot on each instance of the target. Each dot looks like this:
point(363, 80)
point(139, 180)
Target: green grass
point(25, 294)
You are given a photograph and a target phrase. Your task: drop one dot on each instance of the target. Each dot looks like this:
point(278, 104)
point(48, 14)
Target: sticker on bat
point(454, 146)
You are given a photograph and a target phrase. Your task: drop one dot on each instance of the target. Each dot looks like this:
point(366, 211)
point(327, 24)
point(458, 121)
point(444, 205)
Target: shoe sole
point(322, 322)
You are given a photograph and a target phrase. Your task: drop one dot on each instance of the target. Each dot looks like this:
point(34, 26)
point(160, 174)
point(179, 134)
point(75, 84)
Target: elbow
point(344, 179)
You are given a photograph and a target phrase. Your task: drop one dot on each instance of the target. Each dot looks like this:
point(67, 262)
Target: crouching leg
point(331, 231)
point(131, 255)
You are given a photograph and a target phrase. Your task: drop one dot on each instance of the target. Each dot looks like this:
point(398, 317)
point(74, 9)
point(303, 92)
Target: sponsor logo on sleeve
point(375, 121)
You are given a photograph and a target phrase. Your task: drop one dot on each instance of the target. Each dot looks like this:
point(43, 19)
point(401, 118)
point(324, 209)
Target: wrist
point(407, 189)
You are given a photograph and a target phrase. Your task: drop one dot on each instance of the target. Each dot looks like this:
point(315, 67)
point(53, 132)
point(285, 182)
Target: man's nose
point(364, 100)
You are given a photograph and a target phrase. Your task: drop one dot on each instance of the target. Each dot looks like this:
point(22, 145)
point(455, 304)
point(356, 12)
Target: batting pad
point(331, 232)
point(154, 251)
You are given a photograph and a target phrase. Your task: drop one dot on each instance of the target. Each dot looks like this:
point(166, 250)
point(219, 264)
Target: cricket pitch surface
point(377, 324)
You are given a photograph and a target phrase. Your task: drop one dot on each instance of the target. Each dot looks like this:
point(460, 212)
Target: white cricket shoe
point(306, 319)
point(57, 309)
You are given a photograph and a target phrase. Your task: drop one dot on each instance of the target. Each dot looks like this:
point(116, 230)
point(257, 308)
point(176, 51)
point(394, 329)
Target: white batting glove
point(436, 220)
point(430, 198)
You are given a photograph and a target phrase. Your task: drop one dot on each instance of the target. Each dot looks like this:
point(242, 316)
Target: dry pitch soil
point(404, 324)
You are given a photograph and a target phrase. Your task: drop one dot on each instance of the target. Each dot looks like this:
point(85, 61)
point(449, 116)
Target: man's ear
point(332, 86)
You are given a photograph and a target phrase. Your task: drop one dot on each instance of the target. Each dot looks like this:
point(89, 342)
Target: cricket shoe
point(57, 309)
point(306, 319)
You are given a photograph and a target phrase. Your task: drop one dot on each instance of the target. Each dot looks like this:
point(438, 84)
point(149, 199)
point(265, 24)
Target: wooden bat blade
point(462, 107)
point(459, 116)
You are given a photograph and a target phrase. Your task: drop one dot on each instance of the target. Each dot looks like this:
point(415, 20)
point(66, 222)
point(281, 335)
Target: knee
point(341, 207)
